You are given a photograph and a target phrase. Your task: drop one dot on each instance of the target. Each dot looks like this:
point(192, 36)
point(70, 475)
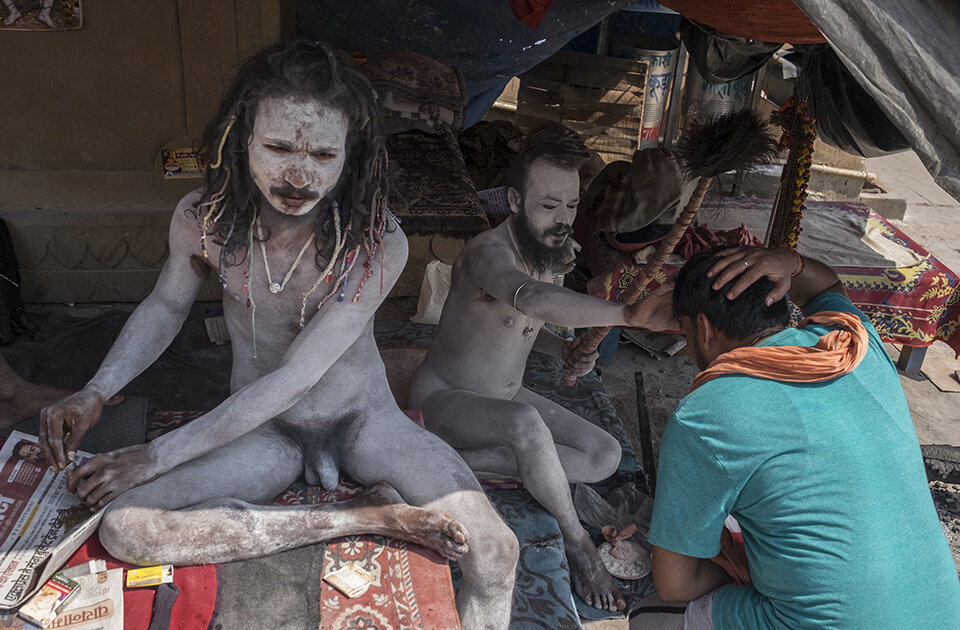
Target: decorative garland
point(798, 136)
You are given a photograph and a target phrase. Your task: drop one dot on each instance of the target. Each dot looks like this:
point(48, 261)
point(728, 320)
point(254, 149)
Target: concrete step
point(887, 205)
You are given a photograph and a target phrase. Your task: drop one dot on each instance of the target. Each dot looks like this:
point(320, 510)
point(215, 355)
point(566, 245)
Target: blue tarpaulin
point(484, 40)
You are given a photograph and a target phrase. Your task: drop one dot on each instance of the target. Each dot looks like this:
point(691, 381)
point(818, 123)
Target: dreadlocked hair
point(228, 204)
point(551, 142)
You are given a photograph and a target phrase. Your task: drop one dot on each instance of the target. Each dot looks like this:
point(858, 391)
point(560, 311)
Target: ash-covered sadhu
point(502, 291)
point(292, 218)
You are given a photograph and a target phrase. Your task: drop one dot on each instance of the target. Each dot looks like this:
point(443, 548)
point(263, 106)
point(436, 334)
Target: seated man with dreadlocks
point(803, 436)
point(292, 218)
point(502, 291)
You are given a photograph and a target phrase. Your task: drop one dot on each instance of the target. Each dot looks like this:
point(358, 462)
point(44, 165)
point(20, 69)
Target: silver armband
point(517, 294)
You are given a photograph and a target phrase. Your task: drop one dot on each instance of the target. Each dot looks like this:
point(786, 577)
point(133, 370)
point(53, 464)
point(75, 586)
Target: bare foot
point(431, 528)
point(27, 401)
point(590, 578)
point(13, 17)
point(44, 16)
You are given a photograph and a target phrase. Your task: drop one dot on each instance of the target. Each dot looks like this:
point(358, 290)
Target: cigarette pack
point(350, 580)
point(43, 607)
point(150, 576)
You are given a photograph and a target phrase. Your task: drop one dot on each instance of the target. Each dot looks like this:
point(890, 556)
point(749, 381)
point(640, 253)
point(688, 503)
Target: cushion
point(430, 190)
point(416, 92)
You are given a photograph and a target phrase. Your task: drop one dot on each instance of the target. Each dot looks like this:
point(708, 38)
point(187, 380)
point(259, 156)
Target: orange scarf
point(837, 353)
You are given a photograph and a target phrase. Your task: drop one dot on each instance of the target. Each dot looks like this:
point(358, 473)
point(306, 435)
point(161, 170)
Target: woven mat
point(431, 191)
point(411, 587)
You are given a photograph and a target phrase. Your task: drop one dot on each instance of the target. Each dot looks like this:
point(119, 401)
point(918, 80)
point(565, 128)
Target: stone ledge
point(91, 236)
point(886, 205)
point(101, 236)
point(85, 191)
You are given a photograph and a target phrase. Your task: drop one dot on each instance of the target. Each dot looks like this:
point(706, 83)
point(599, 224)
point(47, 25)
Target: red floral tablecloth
point(913, 306)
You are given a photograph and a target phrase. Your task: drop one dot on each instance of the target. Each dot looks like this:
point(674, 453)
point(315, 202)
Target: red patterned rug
point(411, 587)
point(194, 607)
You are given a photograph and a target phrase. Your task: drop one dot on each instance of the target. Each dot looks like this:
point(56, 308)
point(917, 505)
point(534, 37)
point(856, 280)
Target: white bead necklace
point(277, 287)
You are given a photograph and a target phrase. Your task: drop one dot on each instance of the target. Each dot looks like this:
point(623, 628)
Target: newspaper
point(34, 542)
point(99, 605)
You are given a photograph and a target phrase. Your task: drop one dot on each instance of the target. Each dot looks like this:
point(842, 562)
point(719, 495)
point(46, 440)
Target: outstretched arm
point(145, 335)
point(327, 335)
point(778, 264)
point(493, 267)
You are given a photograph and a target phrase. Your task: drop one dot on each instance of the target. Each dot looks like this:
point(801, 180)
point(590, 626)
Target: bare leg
point(14, 14)
point(429, 473)
point(20, 400)
point(44, 15)
point(587, 453)
point(182, 517)
point(470, 421)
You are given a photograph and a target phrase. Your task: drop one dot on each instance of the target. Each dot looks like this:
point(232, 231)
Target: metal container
point(704, 100)
point(660, 54)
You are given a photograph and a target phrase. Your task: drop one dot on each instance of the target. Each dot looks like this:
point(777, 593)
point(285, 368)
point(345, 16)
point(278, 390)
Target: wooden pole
point(629, 295)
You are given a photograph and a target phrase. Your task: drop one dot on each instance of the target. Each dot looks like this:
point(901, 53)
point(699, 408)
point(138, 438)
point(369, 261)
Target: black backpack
point(13, 319)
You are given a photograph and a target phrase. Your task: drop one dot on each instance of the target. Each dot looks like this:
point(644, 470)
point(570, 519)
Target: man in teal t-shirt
point(825, 478)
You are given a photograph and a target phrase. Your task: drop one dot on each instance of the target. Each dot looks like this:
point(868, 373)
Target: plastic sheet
point(721, 58)
point(846, 116)
point(905, 55)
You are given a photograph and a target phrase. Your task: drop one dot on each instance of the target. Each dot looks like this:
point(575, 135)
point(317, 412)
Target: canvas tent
point(904, 54)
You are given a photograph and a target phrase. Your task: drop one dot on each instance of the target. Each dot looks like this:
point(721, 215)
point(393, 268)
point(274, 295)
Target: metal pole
point(672, 115)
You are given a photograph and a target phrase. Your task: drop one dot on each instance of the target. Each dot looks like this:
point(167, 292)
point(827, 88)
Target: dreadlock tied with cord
point(350, 217)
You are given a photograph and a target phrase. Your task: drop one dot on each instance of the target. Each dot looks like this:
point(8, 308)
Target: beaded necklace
point(247, 276)
point(339, 241)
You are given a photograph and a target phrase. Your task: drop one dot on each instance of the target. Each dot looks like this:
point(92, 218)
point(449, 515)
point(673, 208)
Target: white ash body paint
point(315, 401)
point(298, 147)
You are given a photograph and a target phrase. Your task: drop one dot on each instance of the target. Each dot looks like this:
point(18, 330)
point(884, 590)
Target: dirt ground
point(932, 219)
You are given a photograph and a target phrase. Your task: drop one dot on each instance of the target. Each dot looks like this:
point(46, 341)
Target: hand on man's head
point(749, 264)
point(655, 311)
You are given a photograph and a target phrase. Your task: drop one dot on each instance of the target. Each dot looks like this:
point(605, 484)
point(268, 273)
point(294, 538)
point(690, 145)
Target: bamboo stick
point(594, 336)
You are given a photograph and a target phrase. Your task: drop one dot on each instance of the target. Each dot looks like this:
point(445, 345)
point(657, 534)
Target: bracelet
point(517, 294)
point(802, 264)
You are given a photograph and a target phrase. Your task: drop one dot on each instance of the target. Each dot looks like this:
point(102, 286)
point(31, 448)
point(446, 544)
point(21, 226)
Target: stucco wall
point(138, 75)
point(83, 115)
